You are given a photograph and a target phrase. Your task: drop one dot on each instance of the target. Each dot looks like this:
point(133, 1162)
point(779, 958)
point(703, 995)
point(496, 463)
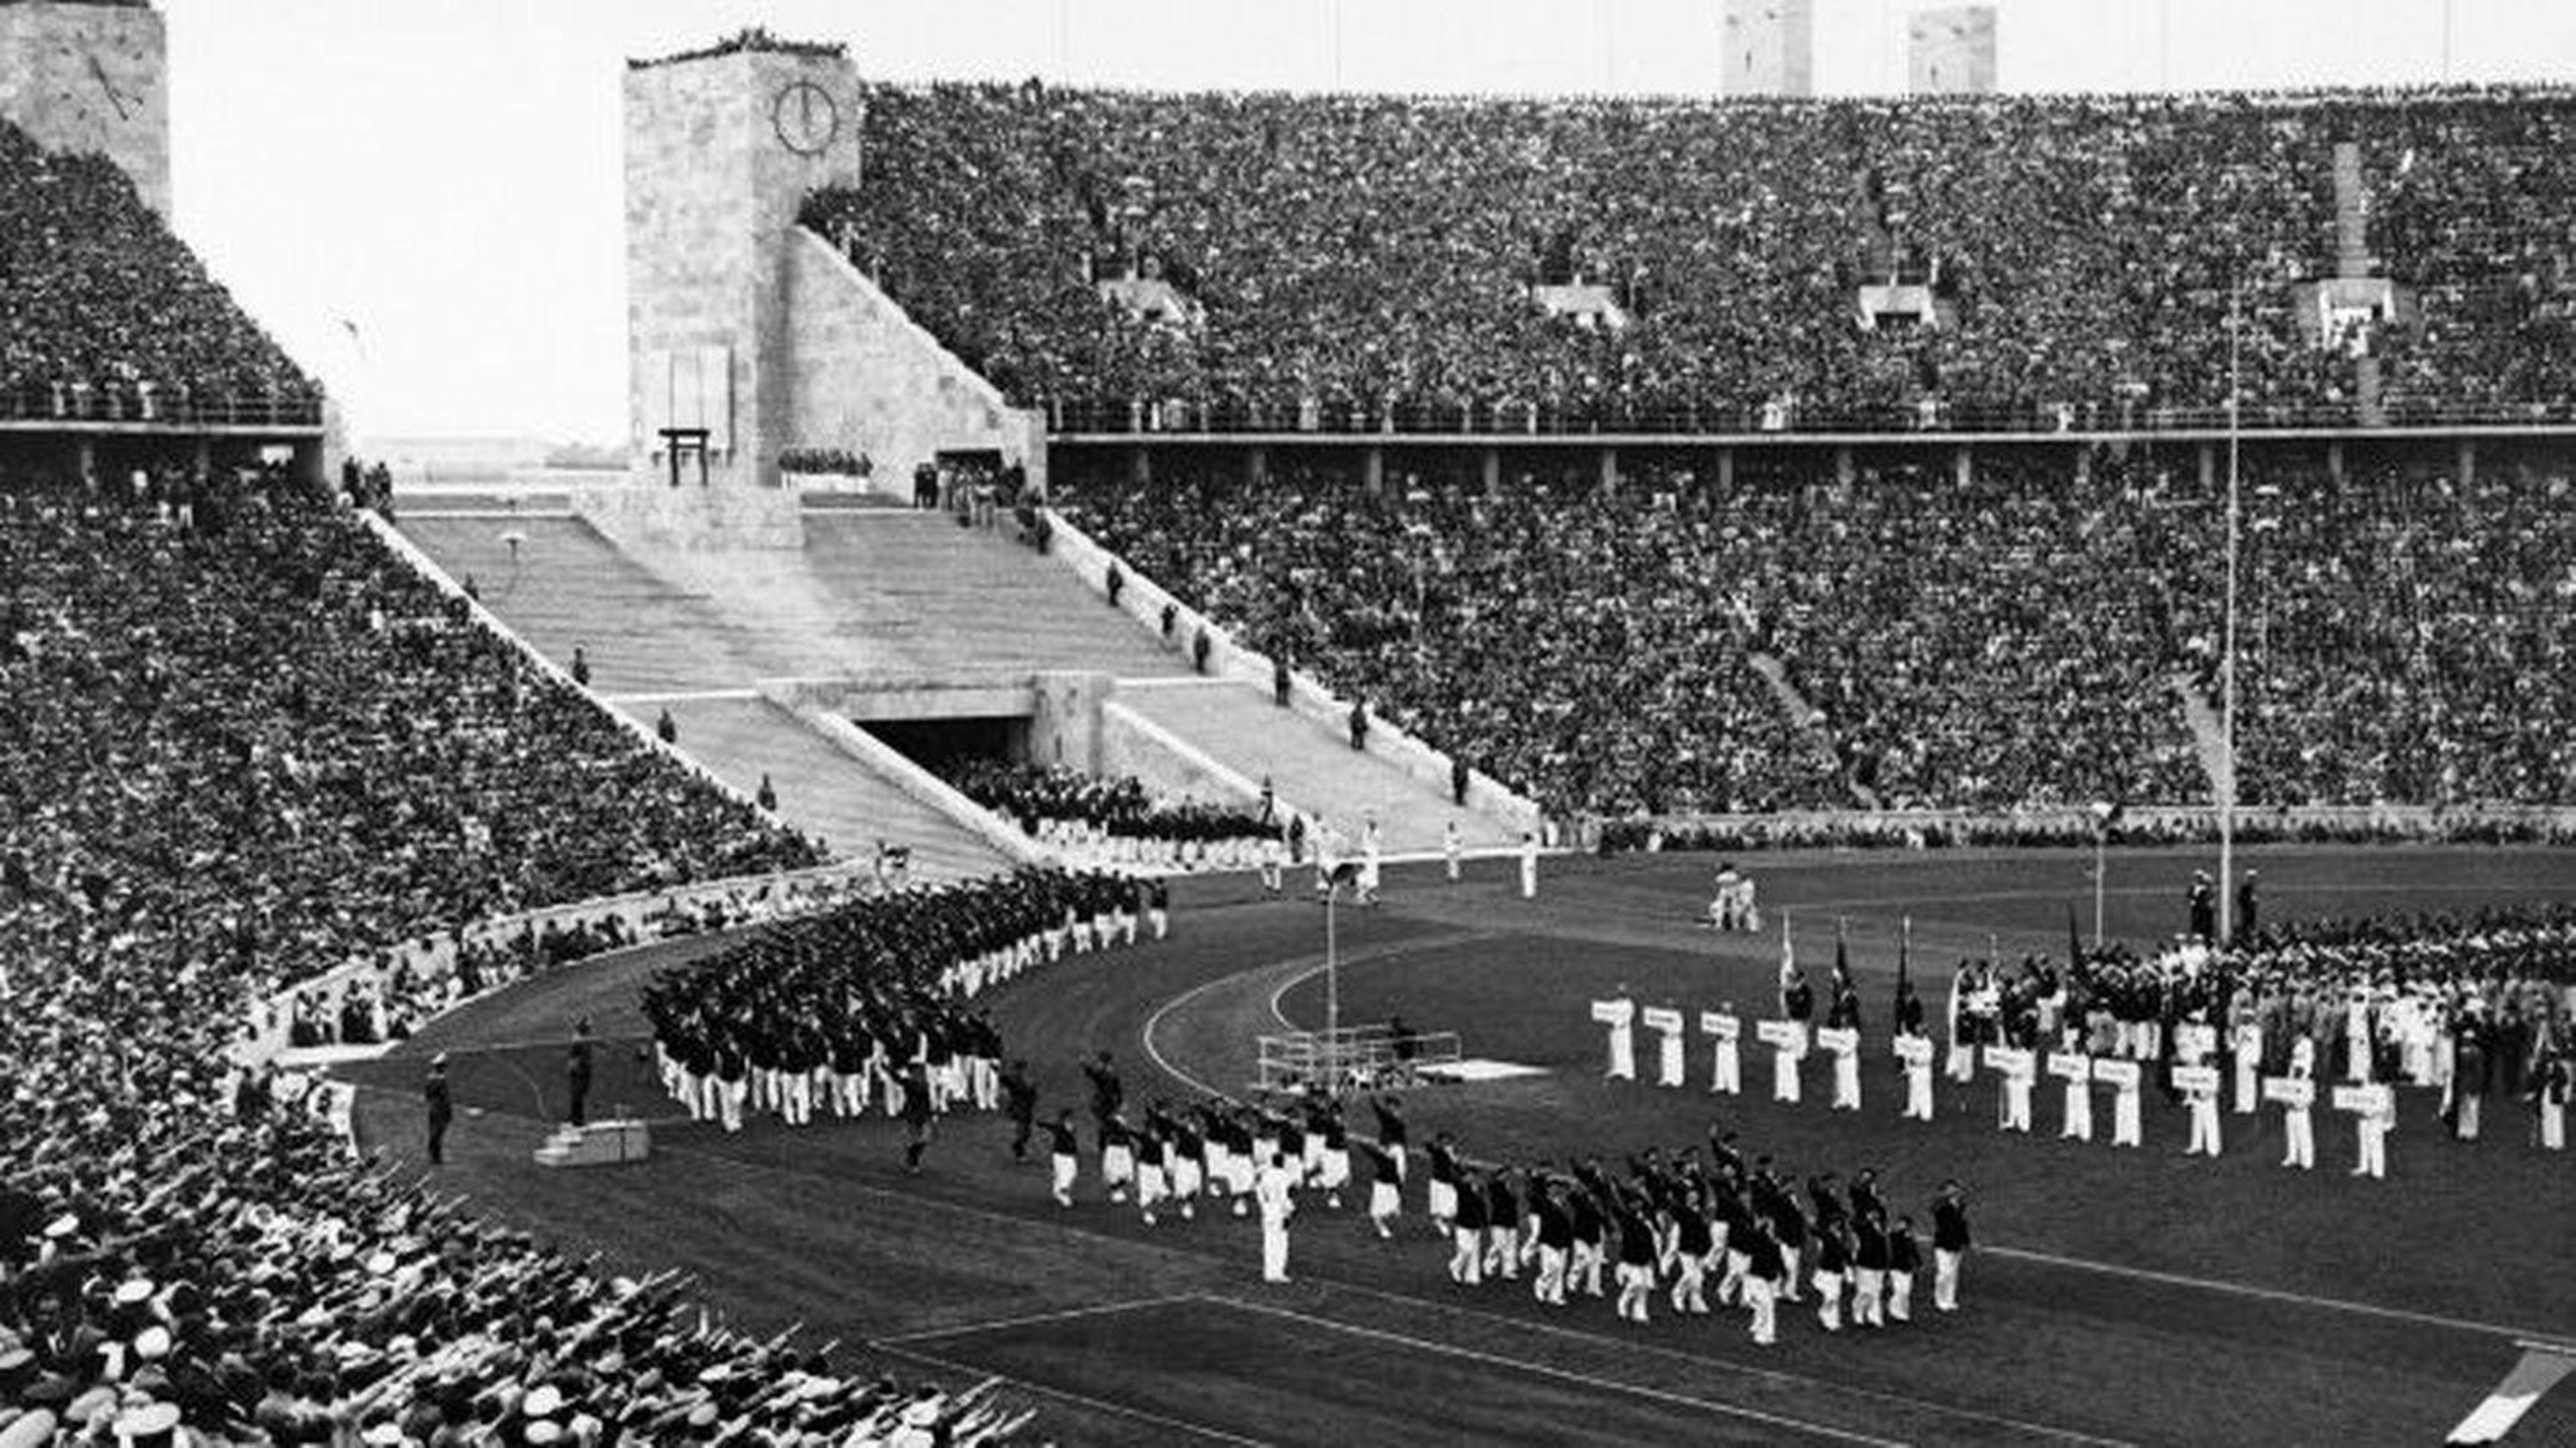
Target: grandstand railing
point(2143, 825)
point(152, 405)
point(430, 959)
point(1395, 419)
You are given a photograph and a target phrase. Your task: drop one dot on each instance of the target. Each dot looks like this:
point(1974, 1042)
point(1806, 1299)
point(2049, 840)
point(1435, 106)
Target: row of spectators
point(1346, 257)
point(111, 316)
point(237, 754)
point(2021, 639)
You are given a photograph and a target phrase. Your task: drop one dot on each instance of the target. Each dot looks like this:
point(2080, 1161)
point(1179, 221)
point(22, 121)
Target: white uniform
point(2299, 1122)
point(2124, 1116)
point(1784, 1074)
point(1271, 1191)
point(1451, 847)
point(1729, 1066)
point(1623, 1040)
point(1529, 867)
point(1918, 1089)
point(2204, 1123)
point(2079, 1109)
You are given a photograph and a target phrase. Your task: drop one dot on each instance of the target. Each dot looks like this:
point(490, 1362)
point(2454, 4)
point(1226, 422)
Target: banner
point(1662, 1018)
point(2012, 1061)
point(2290, 1090)
point(1720, 1025)
point(2123, 1074)
point(1842, 1040)
point(2070, 1065)
point(1789, 1036)
point(2364, 1100)
point(2196, 1080)
point(1613, 1013)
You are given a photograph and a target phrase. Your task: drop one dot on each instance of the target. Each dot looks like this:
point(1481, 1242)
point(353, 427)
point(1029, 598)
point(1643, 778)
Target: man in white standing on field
point(1529, 865)
point(1271, 1191)
point(1451, 847)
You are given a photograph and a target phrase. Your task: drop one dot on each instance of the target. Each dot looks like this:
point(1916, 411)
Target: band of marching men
point(2343, 1010)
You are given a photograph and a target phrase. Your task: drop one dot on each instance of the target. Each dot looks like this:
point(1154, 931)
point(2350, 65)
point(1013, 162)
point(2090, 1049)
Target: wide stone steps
point(565, 585)
point(1311, 768)
point(822, 791)
point(973, 599)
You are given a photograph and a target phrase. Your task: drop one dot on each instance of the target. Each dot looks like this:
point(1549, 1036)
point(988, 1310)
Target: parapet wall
point(861, 375)
point(92, 78)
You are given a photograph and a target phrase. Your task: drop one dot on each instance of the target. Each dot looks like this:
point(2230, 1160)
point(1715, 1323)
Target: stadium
point(1834, 759)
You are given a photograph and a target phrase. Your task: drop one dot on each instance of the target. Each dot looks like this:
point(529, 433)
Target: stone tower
point(85, 78)
point(1767, 48)
point(721, 149)
point(1951, 52)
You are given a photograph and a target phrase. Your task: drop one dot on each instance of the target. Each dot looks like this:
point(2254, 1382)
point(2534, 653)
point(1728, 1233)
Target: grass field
point(2128, 1296)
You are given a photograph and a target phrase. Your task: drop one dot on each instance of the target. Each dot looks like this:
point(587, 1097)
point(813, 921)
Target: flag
point(1842, 955)
point(1904, 949)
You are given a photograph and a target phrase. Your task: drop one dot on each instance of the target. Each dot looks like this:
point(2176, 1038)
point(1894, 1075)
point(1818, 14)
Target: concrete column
point(2083, 465)
point(2334, 461)
point(87, 458)
point(1373, 470)
point(1963, 466)
point(1140, 465)
point(205, 458)
point(2468, 464)
point(1726, 470)
point(1843, 469)
point(1491, 462)
point(1256, 466)
point(1609, 471)
point(2208, 467)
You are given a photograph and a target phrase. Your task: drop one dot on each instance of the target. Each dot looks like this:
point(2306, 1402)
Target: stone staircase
point(973, 600)
point(821, 790)
point(1313, 771)
point(601, 1143)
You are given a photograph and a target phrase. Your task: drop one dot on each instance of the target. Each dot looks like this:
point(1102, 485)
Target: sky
point(446, 174)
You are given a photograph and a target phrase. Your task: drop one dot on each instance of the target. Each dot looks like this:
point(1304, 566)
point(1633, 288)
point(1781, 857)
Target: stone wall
point(92, 78)
point(720, 154)
point(861, 375)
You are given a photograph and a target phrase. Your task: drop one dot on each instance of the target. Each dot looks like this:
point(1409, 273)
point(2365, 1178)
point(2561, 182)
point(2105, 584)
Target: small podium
point(601, 1143)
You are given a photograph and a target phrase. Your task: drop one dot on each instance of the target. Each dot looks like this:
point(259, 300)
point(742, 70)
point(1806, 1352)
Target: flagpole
point(1332, 990)
point(2227, 662)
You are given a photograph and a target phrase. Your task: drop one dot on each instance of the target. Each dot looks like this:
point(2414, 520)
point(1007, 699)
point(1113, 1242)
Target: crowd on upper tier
point(2023, 638)
point(1341, 256)
point(109, 314)
point(241, 744)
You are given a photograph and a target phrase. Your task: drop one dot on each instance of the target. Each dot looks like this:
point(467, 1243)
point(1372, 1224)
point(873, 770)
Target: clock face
point(806, 118)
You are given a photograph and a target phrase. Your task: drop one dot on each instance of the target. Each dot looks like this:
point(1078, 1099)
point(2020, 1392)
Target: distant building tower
point(1770, 48)
point(1951, 51)
point(84, 78)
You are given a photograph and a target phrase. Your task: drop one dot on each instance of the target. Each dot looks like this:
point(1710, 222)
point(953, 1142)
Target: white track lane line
point(1103, 1405)
point(1033, 1319)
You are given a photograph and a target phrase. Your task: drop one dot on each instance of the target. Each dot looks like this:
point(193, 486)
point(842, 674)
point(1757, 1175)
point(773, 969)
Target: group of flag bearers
point(2196, 1076)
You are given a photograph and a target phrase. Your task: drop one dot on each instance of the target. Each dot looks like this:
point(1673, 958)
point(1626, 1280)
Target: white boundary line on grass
point(1035, 1319)
point(1569, 1375)
point(2264, 1294)
point(969, 1370)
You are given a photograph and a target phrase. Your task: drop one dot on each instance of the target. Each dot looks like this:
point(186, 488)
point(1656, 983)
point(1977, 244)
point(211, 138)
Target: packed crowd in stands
point(240, 746)
point(2018, 642)
point(1348, 258)
point(1109, 815)
point(110, 316)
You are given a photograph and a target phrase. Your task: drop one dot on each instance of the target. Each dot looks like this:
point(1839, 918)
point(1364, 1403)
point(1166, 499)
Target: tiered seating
point(237, 753)
point(2014, 642)
point(1355, 254)
point(110, 316)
